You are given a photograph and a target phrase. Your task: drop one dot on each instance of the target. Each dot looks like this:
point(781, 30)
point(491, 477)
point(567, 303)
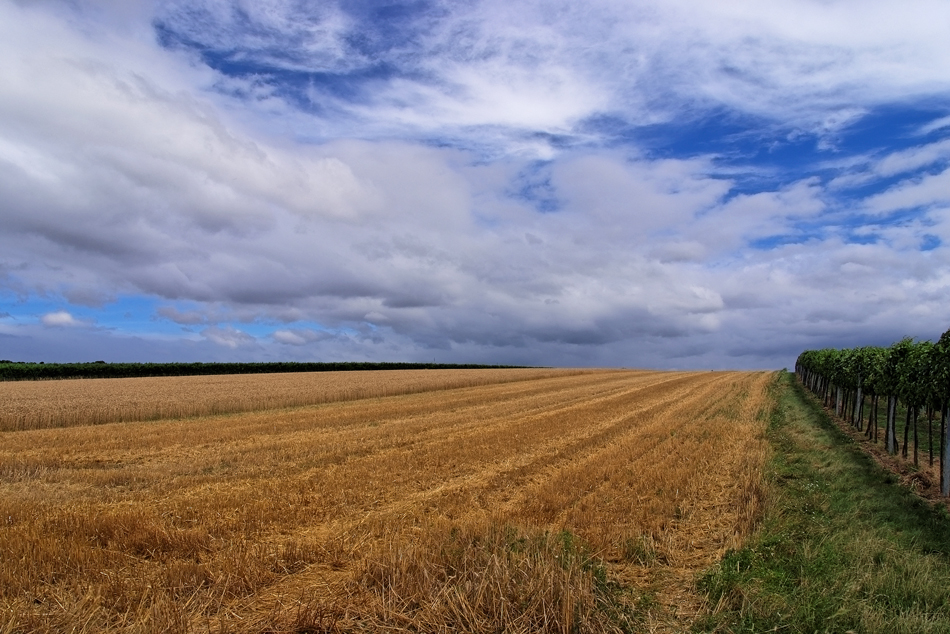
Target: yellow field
point(43, 404)
point(563, 502)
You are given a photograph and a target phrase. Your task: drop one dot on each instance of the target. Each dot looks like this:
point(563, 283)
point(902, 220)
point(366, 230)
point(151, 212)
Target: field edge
point(842, 546)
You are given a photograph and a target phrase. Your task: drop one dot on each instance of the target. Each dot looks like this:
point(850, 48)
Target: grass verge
point(842, 547)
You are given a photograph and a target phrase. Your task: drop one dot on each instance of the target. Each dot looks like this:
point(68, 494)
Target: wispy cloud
point(938, 124)
point(300, 336)
point(188, 318)
point(444, 67)
point(228, 337)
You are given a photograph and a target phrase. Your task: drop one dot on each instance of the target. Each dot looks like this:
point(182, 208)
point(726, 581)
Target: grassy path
point(842, 548)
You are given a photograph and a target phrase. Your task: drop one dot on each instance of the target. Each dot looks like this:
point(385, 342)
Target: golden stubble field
point(44, 404)
point(557, 501)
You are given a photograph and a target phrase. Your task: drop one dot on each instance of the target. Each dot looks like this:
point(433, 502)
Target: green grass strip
point(842, 547)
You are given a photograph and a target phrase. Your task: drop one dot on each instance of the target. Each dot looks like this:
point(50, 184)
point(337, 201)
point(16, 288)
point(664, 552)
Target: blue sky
point(673, 184)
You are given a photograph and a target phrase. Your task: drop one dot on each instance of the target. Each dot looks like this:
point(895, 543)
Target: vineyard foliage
point(912, 374)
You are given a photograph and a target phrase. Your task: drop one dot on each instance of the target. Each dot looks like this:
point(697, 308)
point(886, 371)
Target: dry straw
point(76, 402)
point(558, 503)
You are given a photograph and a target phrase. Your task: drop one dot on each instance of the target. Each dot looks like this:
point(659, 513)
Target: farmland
point(39, 404)
point(516, 500)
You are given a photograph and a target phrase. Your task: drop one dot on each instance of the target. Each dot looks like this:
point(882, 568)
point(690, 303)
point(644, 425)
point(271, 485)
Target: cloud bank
point(625, 184)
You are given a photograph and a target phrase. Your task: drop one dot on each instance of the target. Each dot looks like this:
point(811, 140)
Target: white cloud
point(637, 198)
point(814, 65)
point(937, 124)
point(862, 170)
point(928, 190)
point(289, 337)
point(301, 336)
point(489, 94)
point(797, 60)
point(140, 124)
point(189, 318)
point(486, 73)
point(228, 337)
point(61, 319)
point(914, 158)
point(284, 34)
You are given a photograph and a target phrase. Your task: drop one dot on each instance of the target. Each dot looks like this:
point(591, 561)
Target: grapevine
point(909, 375)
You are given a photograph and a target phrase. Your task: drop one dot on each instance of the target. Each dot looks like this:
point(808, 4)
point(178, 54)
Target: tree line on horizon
point(913, 376)
point(27, 371)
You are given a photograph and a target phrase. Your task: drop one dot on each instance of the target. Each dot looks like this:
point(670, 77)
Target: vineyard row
point(908, 377)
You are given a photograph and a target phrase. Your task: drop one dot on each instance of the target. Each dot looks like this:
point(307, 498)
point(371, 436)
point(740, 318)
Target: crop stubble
point(76, 402)
point(523, 504)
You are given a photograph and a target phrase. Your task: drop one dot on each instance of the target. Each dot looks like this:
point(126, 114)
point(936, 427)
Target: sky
point(670, 184)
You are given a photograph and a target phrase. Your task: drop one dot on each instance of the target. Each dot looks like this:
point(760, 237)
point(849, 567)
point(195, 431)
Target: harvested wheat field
point(554, 502)
point(75, 402)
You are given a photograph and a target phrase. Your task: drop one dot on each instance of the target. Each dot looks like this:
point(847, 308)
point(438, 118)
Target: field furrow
point(429, 511)
point(78, 402)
